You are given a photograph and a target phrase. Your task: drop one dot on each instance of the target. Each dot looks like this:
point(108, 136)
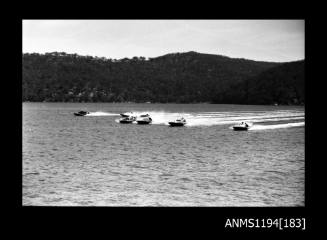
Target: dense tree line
point(180, 77)
point(282, 84)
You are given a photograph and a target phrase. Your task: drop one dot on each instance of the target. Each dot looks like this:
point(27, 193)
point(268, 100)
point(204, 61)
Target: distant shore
point(174, 78)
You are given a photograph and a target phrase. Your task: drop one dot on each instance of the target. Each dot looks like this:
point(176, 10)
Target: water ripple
point(70, 161)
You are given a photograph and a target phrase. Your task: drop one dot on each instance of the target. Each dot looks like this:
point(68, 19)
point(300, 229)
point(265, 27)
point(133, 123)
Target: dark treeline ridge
point(180, 78)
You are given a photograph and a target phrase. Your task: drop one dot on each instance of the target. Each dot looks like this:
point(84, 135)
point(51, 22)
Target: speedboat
point(129, 119)
point(179, 122)
point(81, 113)
point(127, 114)
point(242, 126)
point(144, 119)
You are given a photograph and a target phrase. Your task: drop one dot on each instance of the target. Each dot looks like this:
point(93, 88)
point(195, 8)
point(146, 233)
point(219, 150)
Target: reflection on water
point(94, 160)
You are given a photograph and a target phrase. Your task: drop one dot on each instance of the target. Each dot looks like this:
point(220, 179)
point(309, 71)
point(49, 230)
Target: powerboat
point(242, 126)
point(129, 119)
point(179, 122)
point(127, 114)
point(144, 119)
point(81, 113)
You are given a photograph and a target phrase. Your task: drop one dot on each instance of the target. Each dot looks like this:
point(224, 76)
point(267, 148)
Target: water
point(95, 161)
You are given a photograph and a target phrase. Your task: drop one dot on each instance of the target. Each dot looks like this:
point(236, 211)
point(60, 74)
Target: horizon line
point(148, 58)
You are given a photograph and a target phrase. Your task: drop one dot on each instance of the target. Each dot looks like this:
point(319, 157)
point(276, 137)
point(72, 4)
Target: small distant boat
point(81, 113)
point(144, 119)
point(130, 119)
point(127, 114)
point(242, 126)
point(178, 122)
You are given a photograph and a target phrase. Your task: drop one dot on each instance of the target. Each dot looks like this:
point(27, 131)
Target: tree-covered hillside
point(282, 84)
point(180, 77)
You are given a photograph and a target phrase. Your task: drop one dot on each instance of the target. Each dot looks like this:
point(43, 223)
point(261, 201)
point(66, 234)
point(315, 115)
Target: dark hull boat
point(240, 128)
point(178, 122)
point(144, 119)
point(81, 113)
point(243, 126)
point(126, 120)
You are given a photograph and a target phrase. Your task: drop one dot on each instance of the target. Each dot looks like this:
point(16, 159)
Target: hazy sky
point(265, 40)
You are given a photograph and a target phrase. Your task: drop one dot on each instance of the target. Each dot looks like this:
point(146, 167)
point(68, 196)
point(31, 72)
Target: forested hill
point(282, 84)
point(179, 77)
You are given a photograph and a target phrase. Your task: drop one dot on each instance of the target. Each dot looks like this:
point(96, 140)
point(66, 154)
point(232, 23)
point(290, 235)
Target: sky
point(261, 40)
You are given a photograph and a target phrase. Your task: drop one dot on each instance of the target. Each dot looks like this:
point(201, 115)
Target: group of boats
point(146, 119)
point(130, 117)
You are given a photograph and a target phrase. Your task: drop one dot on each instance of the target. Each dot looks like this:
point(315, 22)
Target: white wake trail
point(99, 114)
point(223, 118)
point(276, 126)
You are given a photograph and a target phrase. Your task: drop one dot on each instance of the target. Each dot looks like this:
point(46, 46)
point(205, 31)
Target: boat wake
point(100, 114)
point(285, 118)
point(276, 126)
point(225, 118)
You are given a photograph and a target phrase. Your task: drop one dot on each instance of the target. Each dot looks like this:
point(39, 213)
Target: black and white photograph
point(163, 112)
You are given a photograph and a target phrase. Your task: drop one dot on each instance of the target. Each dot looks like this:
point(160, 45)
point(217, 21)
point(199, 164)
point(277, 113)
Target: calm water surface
point(94, 160)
